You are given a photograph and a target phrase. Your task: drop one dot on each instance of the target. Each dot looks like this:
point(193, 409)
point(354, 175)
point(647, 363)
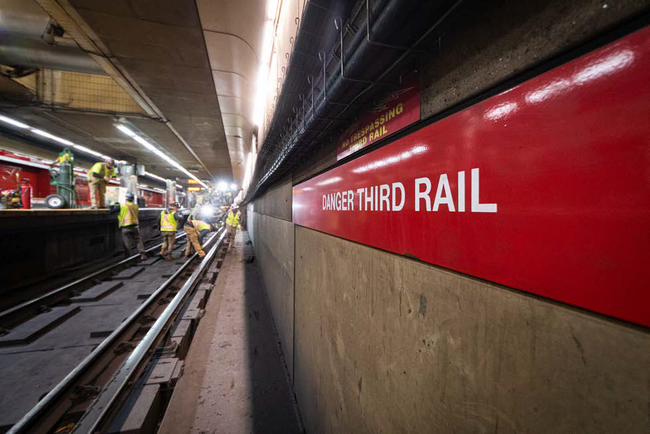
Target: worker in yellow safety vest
point(128, 221)
point(196, 230)
point(232, 223)
point(168, 224)
point(98, 178)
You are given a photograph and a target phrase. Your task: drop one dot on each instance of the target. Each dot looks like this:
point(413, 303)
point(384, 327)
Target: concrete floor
point(234, 380)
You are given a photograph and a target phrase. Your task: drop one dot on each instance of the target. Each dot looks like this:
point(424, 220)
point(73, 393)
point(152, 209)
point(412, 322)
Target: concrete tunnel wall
point(43, 244)
point(376, 342)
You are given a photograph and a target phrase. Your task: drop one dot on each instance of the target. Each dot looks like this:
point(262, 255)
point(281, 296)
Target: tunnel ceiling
point(233, 36)
point(190, 63)
point(160, 45)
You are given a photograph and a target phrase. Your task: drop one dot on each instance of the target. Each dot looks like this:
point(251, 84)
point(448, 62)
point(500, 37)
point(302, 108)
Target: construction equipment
point(11, 198)
point(63, 179)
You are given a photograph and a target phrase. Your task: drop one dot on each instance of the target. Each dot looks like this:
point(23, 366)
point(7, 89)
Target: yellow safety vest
point(201, 225)
point(233, 219)
point(128, 215)
point(98, 168)
point(167, 222)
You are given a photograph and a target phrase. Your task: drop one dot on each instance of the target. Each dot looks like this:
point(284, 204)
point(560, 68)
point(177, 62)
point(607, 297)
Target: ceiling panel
point(160, 44)
point(233, 36)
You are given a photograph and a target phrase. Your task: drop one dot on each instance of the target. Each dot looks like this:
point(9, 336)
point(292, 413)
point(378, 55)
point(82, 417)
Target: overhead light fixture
point(265, 60)
point(271, 9)
point(63, 141)
point(52, 137)
point(13, 122)
point(89, 151)
point(138, 137)
point(125, 130)
point(151, 175)
point(222, 186)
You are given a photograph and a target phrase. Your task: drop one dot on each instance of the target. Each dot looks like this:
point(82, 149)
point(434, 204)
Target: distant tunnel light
point(126, 130)
point(13, 122)
point(222, 186)
point(233, 186)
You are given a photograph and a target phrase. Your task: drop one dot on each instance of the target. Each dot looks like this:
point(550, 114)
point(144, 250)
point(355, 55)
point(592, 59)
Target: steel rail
point(39, 301)
point(30, 421)
point(104, 405)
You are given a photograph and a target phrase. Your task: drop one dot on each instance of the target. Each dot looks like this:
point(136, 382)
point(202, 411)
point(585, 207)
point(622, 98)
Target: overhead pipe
point(24, 19)
point(24, 28)
point(29, 53)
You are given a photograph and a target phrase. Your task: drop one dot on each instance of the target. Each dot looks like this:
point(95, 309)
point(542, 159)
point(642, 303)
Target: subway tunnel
point(324, 216)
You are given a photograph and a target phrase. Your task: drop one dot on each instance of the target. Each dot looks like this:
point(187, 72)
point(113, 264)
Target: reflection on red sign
point(399, 110)
point(543, 188)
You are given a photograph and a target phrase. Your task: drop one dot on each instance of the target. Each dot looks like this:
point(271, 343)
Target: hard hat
point(174, 204)
point(129, 196)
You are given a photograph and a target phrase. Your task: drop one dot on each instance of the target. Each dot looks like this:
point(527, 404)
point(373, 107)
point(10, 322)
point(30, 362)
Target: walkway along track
point(99, 393)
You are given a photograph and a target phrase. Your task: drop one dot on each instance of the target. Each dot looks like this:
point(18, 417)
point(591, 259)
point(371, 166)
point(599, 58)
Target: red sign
point(398, 110)
point(544, 188)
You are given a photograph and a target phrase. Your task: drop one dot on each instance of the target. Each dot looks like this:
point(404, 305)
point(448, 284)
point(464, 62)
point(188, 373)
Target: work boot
point(143, 256)
point(168, 257)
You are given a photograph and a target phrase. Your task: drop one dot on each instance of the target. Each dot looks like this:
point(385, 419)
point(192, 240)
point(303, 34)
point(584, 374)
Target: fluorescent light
point(84, 149)
point(126, 130)
point(263, 71)
point(144, 143)
point(267, 41)
point(13, 122)
point(52, 136)
point(87, 151)
point(151, 175)
point(271, 9)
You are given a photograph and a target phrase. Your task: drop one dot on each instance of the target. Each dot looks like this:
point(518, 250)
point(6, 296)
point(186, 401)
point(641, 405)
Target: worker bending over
point(232, 223)
point(98, 178)
point(196, 230)
point(128, 221)
point(168, 224)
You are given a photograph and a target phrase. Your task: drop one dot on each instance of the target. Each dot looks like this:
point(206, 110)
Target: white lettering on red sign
point(392, 197)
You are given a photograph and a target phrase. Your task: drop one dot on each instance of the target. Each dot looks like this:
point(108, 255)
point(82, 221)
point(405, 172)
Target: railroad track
point(122, 376)
point(9, 318)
